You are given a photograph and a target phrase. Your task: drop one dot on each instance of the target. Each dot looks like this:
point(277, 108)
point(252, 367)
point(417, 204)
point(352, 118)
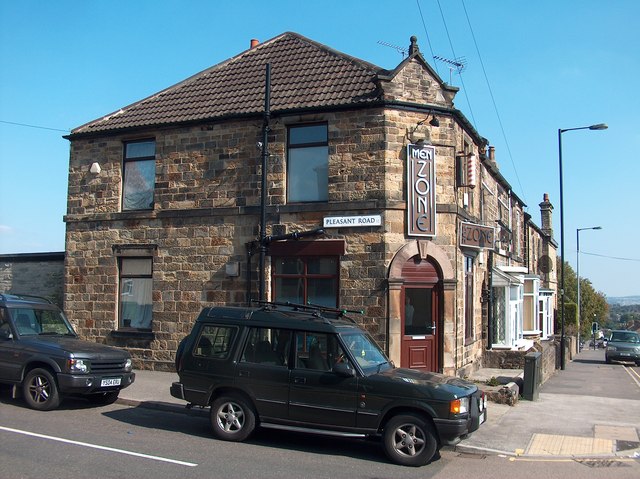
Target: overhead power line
point(424, 25)
point(464, 88)
point(611, 257)
point(493, 100)
point(33, 126)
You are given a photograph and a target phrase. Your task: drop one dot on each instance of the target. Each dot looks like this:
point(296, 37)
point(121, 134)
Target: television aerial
point(401, 50)
point(459, 64)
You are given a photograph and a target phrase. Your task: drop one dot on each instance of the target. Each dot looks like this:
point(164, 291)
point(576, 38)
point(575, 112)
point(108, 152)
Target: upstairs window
point(139, 175)
point(308, 163)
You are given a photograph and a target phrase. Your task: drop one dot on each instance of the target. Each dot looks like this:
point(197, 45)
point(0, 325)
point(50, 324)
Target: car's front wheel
point(40, 390)
point(232, 418)
point(409, 440)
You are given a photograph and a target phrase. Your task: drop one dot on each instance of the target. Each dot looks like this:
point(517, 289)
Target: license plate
point(625, 354)
point(110, 382)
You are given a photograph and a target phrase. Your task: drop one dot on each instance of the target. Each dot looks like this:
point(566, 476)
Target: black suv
point(43, 359)
point(303, 368)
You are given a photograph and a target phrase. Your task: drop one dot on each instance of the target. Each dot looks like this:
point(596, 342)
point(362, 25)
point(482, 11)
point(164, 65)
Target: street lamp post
point(599, 126)
point(578, 273)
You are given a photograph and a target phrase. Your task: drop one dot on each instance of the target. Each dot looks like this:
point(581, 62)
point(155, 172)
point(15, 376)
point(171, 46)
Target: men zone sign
point(421, 195)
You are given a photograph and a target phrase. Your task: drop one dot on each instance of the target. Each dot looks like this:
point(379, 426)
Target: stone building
point(380, 196)
point(38, 274)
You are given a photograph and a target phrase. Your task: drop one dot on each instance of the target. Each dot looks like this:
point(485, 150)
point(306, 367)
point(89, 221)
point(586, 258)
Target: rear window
point(215, 342)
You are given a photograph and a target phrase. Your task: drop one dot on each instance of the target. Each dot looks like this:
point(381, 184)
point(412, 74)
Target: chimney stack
point(545, 213)
point(254, 43)
point(492, 157)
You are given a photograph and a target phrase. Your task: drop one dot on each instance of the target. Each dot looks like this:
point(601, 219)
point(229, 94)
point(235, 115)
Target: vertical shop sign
point(421, 195)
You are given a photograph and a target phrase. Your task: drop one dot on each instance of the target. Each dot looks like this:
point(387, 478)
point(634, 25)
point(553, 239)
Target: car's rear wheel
point(409, 440)
point(232, 418)
point(40, 390)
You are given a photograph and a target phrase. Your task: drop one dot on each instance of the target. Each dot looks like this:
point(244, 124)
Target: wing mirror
point(344, 370)
point(5, 333)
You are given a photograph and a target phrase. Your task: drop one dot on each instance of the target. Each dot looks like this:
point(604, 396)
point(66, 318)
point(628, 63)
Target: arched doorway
point(421, 280)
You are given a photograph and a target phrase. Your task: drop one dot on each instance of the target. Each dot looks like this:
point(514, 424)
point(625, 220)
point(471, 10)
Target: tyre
point(102, 399)
point(232, 418)
point(409, 440)
point(40, 390)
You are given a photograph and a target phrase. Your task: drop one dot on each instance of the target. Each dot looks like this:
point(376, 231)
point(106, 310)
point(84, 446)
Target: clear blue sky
point(550, 64)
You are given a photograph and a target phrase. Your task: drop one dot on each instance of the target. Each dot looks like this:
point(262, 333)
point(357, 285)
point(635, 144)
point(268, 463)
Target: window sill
point(133, 334)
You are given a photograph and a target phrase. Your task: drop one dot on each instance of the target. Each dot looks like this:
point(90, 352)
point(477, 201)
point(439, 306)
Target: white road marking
point(95, 446)
point(634, 375)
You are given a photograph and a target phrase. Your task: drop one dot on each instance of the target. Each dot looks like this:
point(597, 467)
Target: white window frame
point(511, 286)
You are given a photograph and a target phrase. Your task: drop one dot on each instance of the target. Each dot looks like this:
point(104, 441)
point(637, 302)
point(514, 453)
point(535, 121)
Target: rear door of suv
point(263, 371)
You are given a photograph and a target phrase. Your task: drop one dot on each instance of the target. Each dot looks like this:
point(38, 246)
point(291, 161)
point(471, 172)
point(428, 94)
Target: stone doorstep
point(510, 383)
point(508, 394)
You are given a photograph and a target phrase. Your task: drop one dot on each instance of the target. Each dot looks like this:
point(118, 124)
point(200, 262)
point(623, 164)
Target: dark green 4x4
point(43, 359)
point(312, 369)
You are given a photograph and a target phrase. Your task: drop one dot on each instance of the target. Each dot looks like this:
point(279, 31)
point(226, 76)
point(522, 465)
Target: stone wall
point(207, 209)
point(504, 359)
point(39, 274)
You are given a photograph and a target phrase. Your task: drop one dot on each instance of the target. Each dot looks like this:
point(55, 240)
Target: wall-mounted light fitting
point(95, 168)
point(232, 269)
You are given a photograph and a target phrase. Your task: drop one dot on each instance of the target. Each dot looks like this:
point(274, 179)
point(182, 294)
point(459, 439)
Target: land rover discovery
point(43, 360)
point(312, 369)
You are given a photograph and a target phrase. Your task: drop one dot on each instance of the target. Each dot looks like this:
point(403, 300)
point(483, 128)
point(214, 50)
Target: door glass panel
point(418, 309)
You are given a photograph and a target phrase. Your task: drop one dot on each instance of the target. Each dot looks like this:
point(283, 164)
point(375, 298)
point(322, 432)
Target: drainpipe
point(263, 183)
point(250, 251)
point(490, 319)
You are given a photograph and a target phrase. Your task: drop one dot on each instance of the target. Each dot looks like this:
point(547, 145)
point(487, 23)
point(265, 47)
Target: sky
point(530, 68)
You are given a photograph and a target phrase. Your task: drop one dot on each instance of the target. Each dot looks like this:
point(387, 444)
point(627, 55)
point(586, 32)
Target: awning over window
point(508, 275)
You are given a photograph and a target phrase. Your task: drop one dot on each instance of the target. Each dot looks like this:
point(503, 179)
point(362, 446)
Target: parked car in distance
point(312, 369)
point(623, 345)
point(43, 359)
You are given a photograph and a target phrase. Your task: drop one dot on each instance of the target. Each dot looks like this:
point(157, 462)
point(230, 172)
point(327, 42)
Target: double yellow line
point(635, 375)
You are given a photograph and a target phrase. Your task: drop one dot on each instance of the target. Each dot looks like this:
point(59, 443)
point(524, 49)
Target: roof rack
point(317, 309)
point(21, 296)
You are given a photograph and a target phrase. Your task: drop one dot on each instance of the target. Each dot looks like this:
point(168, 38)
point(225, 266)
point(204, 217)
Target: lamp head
point(599, 126)
point(434, 121)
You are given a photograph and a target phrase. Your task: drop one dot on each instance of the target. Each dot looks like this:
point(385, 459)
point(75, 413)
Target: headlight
point(128, 365)
point(459, 406)
point(611, 348)
point(81, 366)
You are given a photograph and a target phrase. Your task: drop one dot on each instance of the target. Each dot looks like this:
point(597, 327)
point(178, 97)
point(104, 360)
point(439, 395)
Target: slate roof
point(304, 75)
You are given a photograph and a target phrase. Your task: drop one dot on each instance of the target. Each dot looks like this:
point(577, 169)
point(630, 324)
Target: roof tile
point(304, 74)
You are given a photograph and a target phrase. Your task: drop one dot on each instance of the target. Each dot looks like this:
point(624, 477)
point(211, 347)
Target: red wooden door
point(421, 335)
point(419, 328)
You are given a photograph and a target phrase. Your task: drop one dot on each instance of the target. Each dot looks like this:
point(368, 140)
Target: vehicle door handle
point(243, 374)
point(300, 380)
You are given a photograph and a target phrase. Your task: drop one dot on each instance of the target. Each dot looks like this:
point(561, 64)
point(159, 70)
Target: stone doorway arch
point(425, 250)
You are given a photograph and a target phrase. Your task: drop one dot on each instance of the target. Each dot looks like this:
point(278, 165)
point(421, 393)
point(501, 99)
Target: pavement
point(572, 417)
